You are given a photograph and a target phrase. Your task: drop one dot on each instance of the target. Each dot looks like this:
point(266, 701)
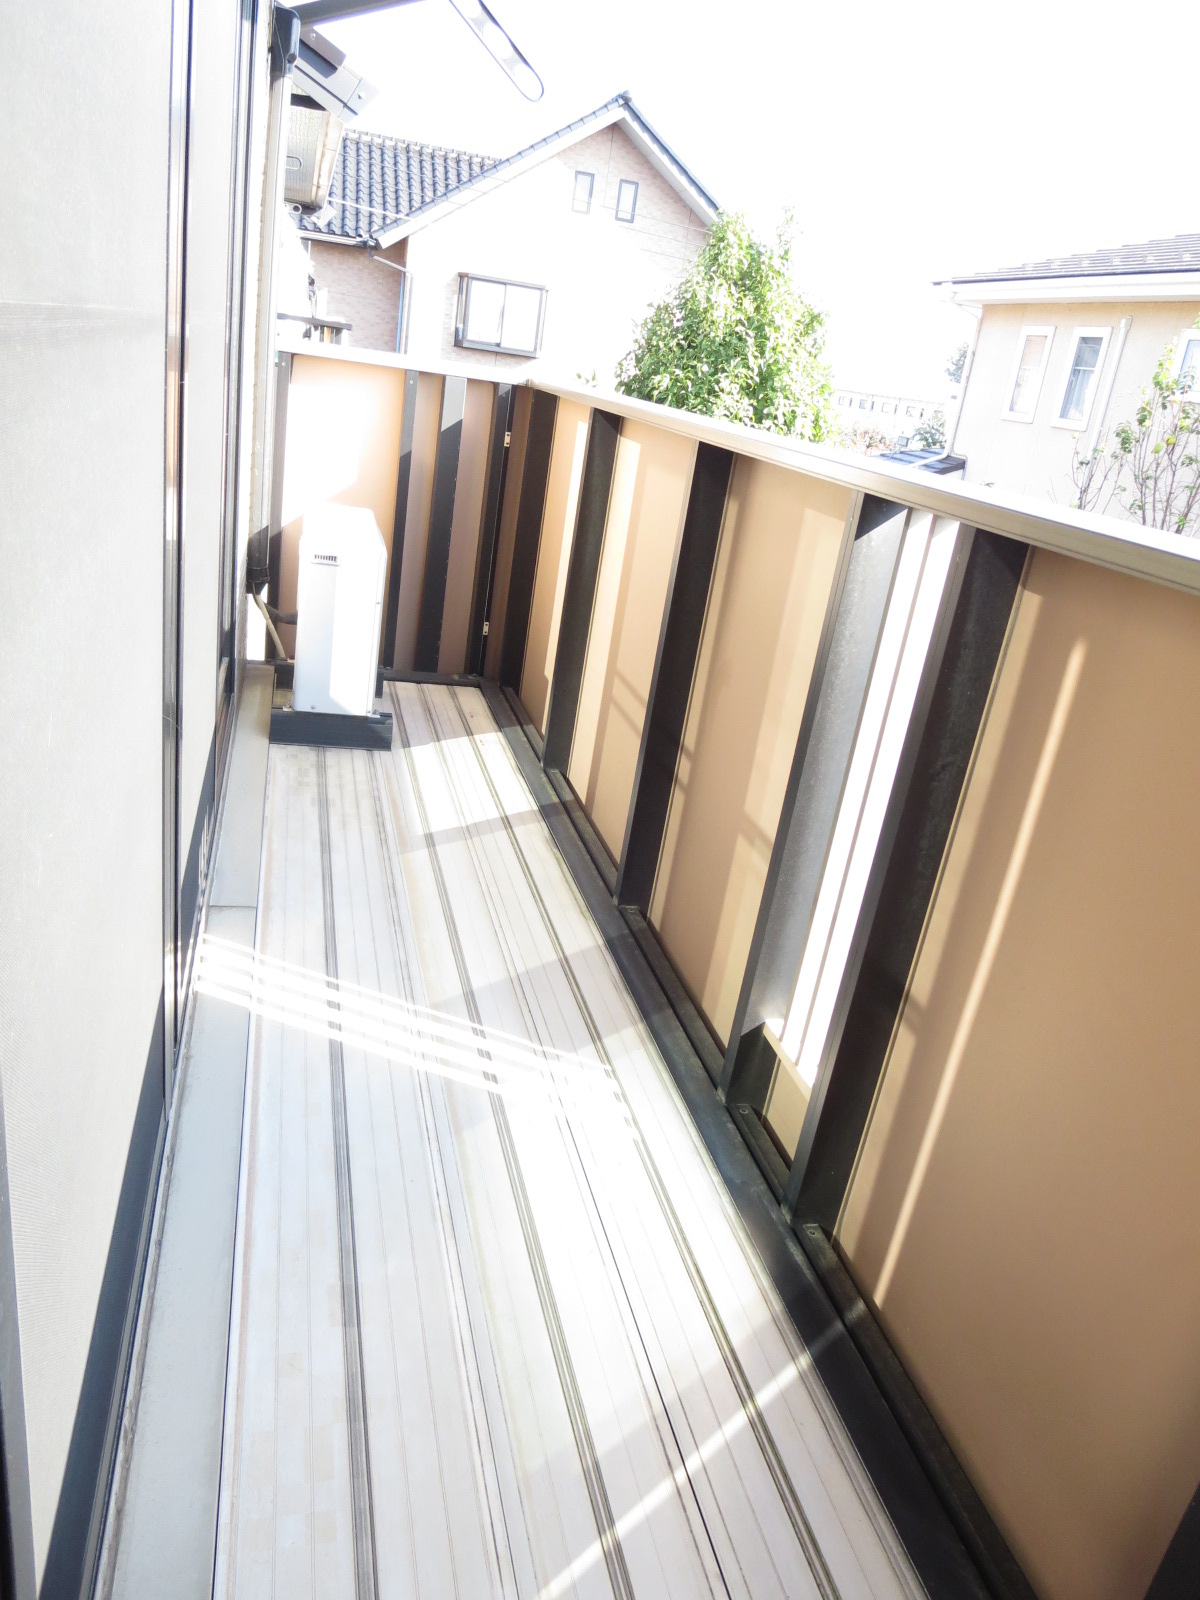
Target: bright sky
point(910, 142)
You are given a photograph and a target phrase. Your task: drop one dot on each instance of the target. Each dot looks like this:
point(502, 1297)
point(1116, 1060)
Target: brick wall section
point(364, 292)
point(601, 275)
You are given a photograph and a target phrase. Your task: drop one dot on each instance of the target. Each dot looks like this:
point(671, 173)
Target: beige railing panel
point(554, 553)
point(646, 506)
point(427, 419)
point(775, 568)
point(466, 526)
point(506, 537)
point(343, 446)
point(1025, 1208)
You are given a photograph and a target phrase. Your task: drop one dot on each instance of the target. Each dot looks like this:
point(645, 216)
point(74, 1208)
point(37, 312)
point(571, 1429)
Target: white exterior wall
point(602, 275)
point(1035, 457)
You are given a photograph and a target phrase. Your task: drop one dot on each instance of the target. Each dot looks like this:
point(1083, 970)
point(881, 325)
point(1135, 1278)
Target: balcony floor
point(497, 1328)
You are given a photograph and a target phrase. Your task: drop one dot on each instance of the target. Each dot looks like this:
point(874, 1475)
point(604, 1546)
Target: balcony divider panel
point(466, 527)
point(671, 680)
point(908, 860)
point(282, 379)
point(499, 450)
point(520, 570)
point(652, 477)
point(400, 518)
point(427, 416)
point(345, 428)
point(580, 592)
point(441, 521)
point(1035, 1119)
point(781, 548)
point(572, 425)
point(823, 749)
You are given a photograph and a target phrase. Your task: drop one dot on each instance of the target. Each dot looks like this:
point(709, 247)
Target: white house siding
point(1035, 457)
point(360, 291)
point(602, 275)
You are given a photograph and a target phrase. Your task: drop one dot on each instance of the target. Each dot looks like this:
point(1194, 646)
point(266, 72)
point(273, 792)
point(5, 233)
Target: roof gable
point(386, 188)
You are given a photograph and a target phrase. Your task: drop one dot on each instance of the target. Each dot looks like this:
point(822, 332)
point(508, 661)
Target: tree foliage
point(736, 339)
point(931, 433)
point(1150, 465)
point(957, 363)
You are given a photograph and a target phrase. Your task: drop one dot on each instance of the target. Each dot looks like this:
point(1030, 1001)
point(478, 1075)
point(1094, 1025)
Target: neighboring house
point(895, 415)
point(1063, 349)
point(550, 256)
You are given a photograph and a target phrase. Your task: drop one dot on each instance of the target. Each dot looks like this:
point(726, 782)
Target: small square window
point(862, 405)
point(582, 201)
point(627, 192)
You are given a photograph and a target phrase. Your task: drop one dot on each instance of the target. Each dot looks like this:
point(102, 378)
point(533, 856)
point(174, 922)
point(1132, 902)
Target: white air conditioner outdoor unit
point(339, 604)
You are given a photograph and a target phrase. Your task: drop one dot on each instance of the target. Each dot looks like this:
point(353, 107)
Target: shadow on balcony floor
point(497, 1328)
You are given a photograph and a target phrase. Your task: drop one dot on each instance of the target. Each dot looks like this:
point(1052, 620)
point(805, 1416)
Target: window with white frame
point(495, 315)
point(1083, 371)
point(1186, 363)
point(1025, 383)
point(627, 193)
point(582, 200)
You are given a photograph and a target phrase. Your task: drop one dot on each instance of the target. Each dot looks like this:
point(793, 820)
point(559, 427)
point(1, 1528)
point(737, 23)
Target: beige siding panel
point(651, 475)
point(554, 552)
point(427, 417)
point(343, 447)
point(1026, 1207)
point(775, 569)
point(465, 528)
point(505, 540)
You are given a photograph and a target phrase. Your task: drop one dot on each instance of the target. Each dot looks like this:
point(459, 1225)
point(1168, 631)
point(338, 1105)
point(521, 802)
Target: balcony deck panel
point(497, 1328)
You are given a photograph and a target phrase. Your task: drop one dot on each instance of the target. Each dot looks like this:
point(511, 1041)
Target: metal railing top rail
point(1107, 541)
point(1124, 546)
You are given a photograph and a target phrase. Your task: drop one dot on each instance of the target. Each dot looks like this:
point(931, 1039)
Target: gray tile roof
point(1178, 254)
point(379, 180)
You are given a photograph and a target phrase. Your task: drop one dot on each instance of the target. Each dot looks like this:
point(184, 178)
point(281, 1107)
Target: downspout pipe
point(977, 313)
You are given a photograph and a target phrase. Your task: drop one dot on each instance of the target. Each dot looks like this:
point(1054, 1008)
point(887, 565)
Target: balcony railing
point(888, 782)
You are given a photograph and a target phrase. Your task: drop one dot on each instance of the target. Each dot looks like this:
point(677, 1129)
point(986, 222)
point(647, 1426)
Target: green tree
point(957, 363)
point(736, 339)
point(931, 434)
point(1150, 465)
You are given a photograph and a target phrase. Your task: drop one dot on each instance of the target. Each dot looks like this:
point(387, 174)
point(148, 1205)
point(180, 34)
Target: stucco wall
point(1035, 457)
point(602, 275)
